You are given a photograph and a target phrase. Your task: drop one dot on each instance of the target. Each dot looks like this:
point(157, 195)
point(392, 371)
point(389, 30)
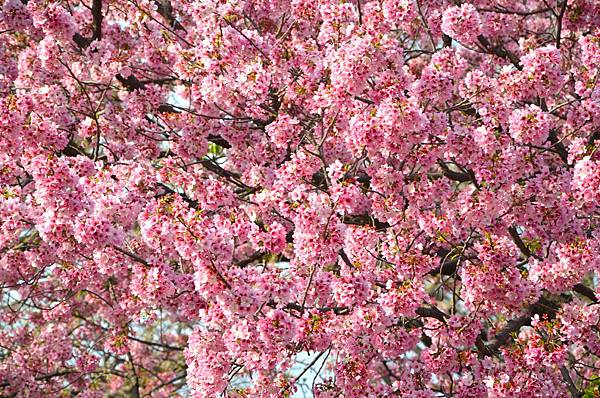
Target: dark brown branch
point(502, 337)
point(255, 257)
point(424, 312)
point(567, 377)
point(165, 9)
point(345, 258)
point(447, 40)
point(559, 21)
point(586, 292)
point(365, 220)
point(260, 50)
point(97, 19)
point(432, 312)
point(220, 141)
point(132, 256)
point(455, 175)
point(84, 42)
point(500, 51)
point(519, 242)
point(546, 307)
point(132, 83)
point(310, 365)
point(447, 266)
point(365, 100)
point(215, 139)
point(135, 388)
point(559, 146)
point(299, 308)
point(215, 168)
point(133, 338)
point(499, 10)
point(178, 377)
point(192, 203)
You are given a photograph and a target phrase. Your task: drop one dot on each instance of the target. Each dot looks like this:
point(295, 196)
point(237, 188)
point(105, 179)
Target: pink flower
point(462, 23)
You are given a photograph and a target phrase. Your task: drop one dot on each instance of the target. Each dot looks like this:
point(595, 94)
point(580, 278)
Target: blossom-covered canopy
point(287, 198)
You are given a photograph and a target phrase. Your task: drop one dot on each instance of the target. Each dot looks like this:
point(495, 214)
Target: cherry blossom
point(357, 198)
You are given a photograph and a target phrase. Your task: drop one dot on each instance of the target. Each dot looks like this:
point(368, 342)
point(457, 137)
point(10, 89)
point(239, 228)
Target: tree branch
point(559, 20)
point(500, 51)
point(84, 42)
point(519, 242)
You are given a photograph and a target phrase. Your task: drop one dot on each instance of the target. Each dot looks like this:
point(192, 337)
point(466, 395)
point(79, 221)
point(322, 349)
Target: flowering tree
point(271, 198)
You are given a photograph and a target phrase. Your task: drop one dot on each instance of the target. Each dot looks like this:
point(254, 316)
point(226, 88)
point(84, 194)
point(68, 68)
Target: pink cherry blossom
point(279, 199)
